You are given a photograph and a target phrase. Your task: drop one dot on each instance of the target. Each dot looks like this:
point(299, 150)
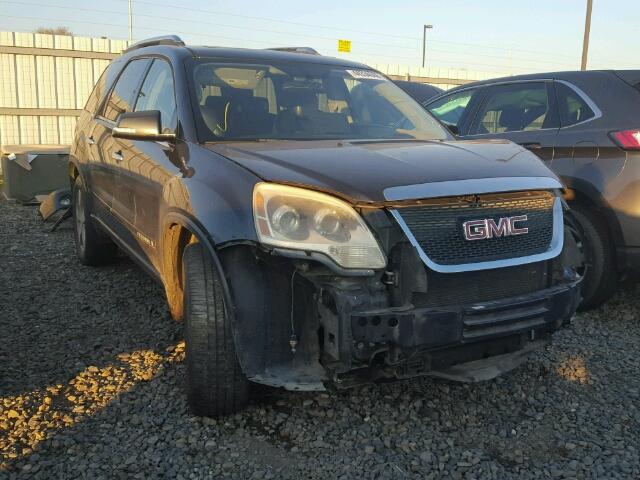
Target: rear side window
point(572, 107)
point(102, 86)
point(514, 108)
point(122, 95)
point(449, 110)
point(157, 93)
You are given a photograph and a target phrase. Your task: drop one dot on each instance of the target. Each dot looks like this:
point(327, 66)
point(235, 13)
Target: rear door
point(577, 142)
point(523, 112)
point(89, 130)
point(113, 152)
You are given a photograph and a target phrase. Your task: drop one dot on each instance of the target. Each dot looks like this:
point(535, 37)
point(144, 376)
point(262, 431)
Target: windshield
point(304, 102)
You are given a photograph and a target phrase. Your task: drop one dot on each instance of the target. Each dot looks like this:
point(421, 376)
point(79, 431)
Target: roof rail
point(161, 40)
point(307, 50)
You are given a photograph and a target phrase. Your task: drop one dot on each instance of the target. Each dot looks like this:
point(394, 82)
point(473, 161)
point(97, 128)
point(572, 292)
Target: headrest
point(214, 102)
point(258, 104)
point(511, 118)
point(294, 97)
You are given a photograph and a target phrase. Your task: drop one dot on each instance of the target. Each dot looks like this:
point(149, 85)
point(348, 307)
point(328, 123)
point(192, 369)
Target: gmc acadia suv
point(314, 225)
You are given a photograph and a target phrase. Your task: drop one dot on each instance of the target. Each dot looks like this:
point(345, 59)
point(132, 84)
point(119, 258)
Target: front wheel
point(600, 276)
point(215, 383)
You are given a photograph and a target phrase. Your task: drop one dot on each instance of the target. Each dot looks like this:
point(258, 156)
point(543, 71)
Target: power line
point(242, 41)
point(377, 34)
point(379, 54)
point(181, 7)
point(200, 21)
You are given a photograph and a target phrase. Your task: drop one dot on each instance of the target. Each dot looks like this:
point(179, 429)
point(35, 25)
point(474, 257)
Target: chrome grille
point(437, 226)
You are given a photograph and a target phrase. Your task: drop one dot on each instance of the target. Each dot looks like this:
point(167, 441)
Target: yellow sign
point(344, 46)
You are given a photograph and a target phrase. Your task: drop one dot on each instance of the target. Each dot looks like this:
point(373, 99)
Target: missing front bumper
point(468, 343)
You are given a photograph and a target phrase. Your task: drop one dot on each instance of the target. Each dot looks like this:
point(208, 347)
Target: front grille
point(482, 286)
point(437, 226)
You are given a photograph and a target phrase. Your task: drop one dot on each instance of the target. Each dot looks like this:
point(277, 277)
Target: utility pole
point(585, 41)
point(424, 44)
point(130, 22)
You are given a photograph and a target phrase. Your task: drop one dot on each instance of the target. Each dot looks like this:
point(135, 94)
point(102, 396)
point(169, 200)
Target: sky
point(501, 36)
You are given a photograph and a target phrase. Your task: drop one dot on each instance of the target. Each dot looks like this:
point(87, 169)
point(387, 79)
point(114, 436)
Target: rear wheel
point(601, 276)
point(215, 383)
point(92, 245)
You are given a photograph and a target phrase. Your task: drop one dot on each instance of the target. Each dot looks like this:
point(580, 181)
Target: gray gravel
point(91, 379)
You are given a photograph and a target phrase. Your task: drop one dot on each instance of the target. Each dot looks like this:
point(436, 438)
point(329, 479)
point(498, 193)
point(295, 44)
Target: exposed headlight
point(301, 219)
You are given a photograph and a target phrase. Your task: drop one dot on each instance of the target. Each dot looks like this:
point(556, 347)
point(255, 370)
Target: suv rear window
point(305, 101)
point(102, 86)
point(572, 107)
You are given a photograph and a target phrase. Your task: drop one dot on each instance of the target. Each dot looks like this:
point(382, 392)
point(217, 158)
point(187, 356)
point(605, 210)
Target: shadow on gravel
point(59, 317)
point(91, 387)
point(74, 337)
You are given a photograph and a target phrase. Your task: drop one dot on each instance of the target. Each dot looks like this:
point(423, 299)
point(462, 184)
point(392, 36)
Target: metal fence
point(45, 81)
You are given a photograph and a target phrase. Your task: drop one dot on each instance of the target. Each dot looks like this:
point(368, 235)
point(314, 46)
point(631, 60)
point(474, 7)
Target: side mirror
point(141, 126)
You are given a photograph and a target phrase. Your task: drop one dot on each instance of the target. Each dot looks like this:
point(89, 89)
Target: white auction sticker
point(365, 74)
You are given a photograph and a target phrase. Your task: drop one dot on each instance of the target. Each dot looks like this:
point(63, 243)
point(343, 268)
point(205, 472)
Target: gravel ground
point(91, 372)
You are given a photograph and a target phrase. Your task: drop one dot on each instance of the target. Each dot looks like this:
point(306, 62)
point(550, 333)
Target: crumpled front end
point(473, 282)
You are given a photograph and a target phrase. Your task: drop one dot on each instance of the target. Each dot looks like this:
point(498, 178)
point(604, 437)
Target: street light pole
point(587, 30)
point(130, 22)
point(424, 44)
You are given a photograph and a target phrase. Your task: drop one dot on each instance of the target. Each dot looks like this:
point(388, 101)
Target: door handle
point(90, 140)
point(531, 145)
point(117, 156)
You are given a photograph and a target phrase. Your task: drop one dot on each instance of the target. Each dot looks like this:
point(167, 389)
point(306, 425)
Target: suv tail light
point(627, 139)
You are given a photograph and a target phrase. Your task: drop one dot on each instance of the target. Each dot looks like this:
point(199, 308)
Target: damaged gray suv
point(313, 225)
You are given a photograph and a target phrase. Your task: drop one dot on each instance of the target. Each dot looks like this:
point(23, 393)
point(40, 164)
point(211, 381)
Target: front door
point(152, 165)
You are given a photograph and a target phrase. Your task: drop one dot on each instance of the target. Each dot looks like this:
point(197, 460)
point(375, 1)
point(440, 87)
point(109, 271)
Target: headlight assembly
point(300, 219)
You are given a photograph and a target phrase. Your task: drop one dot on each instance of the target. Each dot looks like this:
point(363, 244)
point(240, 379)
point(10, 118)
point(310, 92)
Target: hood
point(361, 171)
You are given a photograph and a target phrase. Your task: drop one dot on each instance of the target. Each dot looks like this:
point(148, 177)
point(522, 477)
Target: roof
point(561, 75)
point(173, 43)
point(269, 55)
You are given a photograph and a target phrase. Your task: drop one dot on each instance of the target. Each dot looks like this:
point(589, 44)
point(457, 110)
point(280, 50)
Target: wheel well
point(175, 239)
point(605, 218)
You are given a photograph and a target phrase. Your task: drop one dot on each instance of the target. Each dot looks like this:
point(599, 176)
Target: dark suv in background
point(313, 224)
point(586, 127)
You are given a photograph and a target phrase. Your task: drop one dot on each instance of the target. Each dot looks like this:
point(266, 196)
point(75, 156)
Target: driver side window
point(158, 93)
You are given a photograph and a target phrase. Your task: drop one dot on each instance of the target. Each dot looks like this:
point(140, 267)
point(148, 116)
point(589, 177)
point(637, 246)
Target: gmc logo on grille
point(488, 228)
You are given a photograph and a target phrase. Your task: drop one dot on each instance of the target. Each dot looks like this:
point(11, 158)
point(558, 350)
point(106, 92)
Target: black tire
point(216, 385)
point(92, 245)
point(601, 276)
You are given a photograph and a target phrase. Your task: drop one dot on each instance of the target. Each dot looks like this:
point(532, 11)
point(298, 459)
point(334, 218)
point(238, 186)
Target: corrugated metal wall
point(44, 82)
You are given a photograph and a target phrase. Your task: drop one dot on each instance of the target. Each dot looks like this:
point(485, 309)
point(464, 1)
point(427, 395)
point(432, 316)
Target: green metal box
point(31, 170)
